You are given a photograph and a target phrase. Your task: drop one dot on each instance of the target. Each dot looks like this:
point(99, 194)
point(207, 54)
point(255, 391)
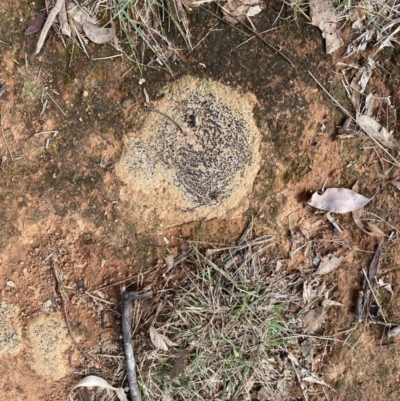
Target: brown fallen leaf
point(37, 24)
point(314, 319)
point(366, 226)
point(97, 34)
point(372, 128)
point(237, 10)
point(160, 341)
point(179, 364)
point(394, 332)
point(323, 15)
point(328, 264)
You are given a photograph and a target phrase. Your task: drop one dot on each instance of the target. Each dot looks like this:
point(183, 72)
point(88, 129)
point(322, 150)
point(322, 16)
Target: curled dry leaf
point(315, 380)
point(10, 283)
point(327, 303)
point(98, 35)
point(395, 183)
point(314, 319)
point(236, 10)
point(338, 200)
point(328, 264)
point(179, 364)
point(169, 261)
point(394, 332)
point(366, 226)
point(63, 19)
point(375, 130)
point(37, 24)
point(323, 15)
point(160, 341)
point(80, 15)
point(47, 306)
point(313, 289)
point(96, 381)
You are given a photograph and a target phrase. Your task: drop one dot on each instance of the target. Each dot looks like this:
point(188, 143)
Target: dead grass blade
point(231, 318)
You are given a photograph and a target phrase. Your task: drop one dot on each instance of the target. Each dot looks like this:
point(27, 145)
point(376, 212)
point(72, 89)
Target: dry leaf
point(47, 306)
point(37, 24)
point(395, 183)
point(160, 341)
point(394, 332)
point(313, 289)
point(11, 284)
point(323, 15)
point(329, 264)
point(327, 303)
point(315, 380)
point(386, 286)
point(237, 10)
point(314, 319)
point(62, 18)
point(169, 261)
point(338, 200)
point(96, 381)
point(179, 364)
point(80, 15)
point(366, 226)
point(373, 129)
point(369, 104)
point(98, 35)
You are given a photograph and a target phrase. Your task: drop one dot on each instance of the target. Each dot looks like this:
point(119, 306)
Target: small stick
point(367, 285)
point(347, 113)
point(126, 303)
point(165, 115)
point(64, 300)
point(59, 108)
point(49, 22)
point(253, 32)
point(4, 137)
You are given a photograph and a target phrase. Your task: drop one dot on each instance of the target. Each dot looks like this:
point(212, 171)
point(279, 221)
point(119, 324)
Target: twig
point(59, 108)
point(126, 303)
point(4, 137)
point(165, 115)
point(64, 300)
point(256, 34)
point(348, 114)
point(49, 22)
point(367, 285)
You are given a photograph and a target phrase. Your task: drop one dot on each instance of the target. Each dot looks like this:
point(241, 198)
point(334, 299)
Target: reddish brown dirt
point(61, 203)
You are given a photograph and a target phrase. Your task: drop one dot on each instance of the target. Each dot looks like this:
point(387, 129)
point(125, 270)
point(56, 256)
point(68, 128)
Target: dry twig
point(64, 300)
point(126, 301)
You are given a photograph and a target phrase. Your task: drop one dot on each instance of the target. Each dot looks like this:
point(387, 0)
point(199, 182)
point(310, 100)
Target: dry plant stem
point(63, 296)
point(49, 22)
point(258, 36)
point(4, 137)
point(395, 161)
point(126, 301)
point(165, 115)
point(83, 352)
point(367, 287)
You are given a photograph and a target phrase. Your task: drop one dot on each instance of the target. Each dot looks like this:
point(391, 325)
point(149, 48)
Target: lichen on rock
point(196, 154)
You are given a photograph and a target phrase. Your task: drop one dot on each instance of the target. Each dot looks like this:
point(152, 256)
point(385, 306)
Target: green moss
point(296, 171)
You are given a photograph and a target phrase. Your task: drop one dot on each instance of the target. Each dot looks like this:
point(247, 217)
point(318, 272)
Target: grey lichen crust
point(10, 335)
point(197, 149)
